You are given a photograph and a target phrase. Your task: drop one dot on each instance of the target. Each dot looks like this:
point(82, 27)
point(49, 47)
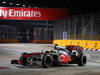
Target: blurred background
point(83, 23)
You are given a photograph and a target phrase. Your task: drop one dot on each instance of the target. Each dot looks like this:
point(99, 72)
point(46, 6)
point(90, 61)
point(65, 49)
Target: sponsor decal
point(19, 13)
point(33, 13)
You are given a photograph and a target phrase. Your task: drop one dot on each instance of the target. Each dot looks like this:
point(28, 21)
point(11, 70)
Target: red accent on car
point(64, 58)
point(19, 62)
point(28, 55)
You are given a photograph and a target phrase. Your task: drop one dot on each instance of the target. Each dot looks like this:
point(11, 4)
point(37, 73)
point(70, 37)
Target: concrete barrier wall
point(42, 41)
point(83, 43)
point(8, 41)
point(33, 41)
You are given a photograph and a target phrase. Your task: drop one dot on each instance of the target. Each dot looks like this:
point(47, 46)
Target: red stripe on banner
point(33, 13)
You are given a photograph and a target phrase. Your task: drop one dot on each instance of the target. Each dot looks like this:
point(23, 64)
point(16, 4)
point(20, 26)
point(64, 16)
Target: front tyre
point(82, 61)
point(47, 61)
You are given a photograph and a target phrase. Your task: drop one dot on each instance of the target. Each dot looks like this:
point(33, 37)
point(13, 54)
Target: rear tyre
point(82, 61)
point(47, 61)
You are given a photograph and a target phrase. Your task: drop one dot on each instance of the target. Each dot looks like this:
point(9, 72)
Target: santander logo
point(19, 13)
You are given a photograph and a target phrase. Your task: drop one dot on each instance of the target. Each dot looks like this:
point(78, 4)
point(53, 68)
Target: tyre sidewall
point(82, 61)
point(45, 59)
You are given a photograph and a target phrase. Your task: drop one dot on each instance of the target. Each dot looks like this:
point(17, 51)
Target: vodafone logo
point(19, 13)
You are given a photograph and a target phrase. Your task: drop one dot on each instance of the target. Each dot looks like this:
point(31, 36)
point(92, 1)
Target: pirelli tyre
point(47, 61)
point(82, 61)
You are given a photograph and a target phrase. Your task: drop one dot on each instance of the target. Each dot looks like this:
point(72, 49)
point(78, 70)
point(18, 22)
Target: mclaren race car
point(58, 56)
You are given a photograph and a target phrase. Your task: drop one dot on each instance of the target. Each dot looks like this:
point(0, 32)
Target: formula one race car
point(58, 56)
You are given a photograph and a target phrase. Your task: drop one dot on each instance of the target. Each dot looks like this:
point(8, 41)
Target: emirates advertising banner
point(33, 13)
